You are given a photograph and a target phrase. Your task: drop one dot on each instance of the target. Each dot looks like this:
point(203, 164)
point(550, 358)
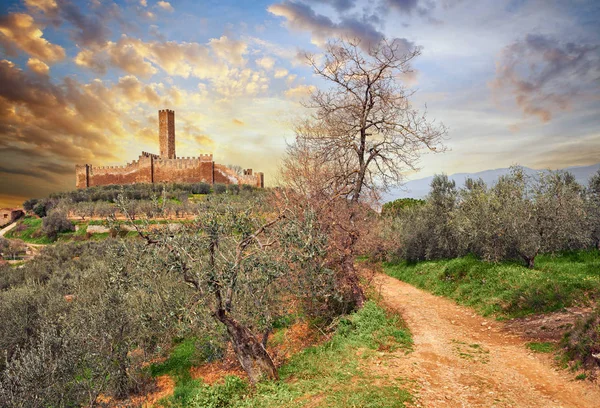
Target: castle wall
point(183, 170)
point(138, 171)
point(225, 175)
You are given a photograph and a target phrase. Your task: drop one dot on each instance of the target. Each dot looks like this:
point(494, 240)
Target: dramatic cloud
point(47, 6)
point(302, 17)
point(91, 29)
point(545, 75)
point(21, 31)
point(38, 66)
point(142, 58)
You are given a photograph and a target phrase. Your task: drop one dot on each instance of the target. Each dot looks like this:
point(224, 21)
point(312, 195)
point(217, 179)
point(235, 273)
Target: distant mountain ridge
point(420, 188)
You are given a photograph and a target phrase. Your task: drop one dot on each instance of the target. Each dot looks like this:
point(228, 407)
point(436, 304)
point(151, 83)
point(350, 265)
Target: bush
point(55, 223)
point(201, 188)
point(233, 189)
point(220, 188)
point(30, 204)
point(583, 342)
point(40, 210)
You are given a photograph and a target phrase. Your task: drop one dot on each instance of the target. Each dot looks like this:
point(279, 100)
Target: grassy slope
point(509, 289)
point(329, 375)
point(32, 232)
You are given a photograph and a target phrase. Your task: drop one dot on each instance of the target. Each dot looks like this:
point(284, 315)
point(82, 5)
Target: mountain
point(420, 188)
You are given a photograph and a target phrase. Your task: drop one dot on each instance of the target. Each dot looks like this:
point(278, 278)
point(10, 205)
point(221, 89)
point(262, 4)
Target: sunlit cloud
point(20, 31)
point(37, 66)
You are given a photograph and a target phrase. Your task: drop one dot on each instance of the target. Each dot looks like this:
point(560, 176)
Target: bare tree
point(365, 122)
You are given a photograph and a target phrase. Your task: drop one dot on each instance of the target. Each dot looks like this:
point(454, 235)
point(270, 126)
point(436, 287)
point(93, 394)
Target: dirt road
point(7, 228)
point(463, 360)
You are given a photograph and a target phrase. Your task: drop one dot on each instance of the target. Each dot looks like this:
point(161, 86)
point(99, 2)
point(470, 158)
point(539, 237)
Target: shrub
point(220, 188)
point(40, 210)
point(55, 223)
point(30, 204)
point(201, 188)
point(233, 189)
point(582, 343)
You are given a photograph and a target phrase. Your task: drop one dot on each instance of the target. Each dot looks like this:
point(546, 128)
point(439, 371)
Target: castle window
point(5, 215)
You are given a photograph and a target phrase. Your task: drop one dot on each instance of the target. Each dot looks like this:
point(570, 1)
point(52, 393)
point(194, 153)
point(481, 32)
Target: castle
point(165, 167)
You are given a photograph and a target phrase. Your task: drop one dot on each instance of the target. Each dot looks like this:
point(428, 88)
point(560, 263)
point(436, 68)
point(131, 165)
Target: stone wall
point(183, 170)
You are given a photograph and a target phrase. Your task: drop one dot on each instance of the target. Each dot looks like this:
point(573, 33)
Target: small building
point(9, 215)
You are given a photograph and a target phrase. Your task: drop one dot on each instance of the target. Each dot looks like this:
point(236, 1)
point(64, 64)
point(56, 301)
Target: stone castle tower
point(166, 133)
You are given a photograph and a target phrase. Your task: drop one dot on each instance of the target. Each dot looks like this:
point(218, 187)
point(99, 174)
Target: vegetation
point(394, 208)
point(543, 347)
point(79, 320)
point(581, 345)
point(508, 289)
point(329, 373)
point(516, 219)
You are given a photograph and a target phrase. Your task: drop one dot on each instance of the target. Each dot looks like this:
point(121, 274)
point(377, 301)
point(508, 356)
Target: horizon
point(514, 81)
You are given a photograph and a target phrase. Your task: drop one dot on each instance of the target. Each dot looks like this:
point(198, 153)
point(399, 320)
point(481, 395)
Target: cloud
point(142, 58)
point(137, 92)
point(38, 66)
point(544, 75)
point(302, 17)
point(405, 6)
point(241, 82)
point(47, 6)
point(266, 62)
point(90, 30)
point(231, 51)
point(339, 5)
point(280, 73)
point(165, 5)
point(237, 122)
point(21, 31)
point(300, 92)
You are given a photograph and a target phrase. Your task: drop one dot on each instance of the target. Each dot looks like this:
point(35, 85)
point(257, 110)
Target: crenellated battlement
point(164, 167)
point(146, 154)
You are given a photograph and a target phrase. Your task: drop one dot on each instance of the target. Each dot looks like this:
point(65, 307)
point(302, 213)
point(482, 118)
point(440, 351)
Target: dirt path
point(463, 360)
point(4, 230)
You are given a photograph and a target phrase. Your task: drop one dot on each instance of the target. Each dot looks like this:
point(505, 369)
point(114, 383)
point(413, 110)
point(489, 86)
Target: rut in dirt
point(461, 359)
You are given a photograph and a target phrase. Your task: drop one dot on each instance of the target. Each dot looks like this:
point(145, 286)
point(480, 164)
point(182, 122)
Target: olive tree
point(235, 259)
point(593, 208)
point(560, 209)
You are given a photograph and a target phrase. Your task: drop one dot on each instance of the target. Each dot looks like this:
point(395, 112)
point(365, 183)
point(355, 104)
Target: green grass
point(508, 289)
point(543, 347)
point(329, 375)
point(32, 232)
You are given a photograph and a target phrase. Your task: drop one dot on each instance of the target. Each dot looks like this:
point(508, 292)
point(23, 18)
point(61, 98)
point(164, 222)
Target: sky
point(514, 81)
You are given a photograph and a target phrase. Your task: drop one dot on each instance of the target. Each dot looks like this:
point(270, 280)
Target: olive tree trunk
point(250, 352)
